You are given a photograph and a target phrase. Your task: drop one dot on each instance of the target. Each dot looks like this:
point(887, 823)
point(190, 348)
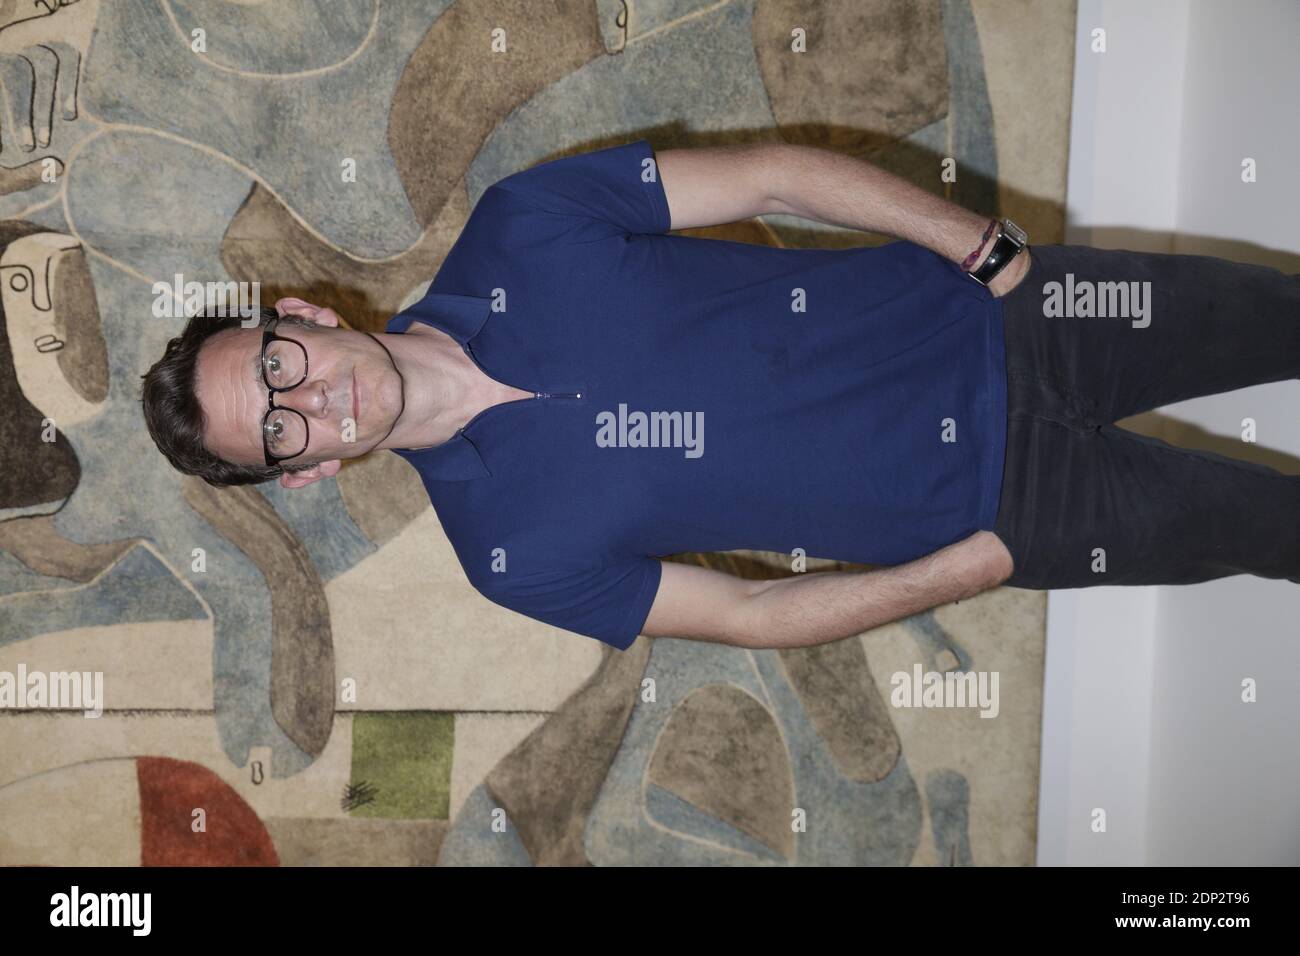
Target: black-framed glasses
point(284, 367)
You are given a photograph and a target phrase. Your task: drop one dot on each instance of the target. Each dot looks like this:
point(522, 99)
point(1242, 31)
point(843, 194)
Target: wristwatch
point(1011, 239)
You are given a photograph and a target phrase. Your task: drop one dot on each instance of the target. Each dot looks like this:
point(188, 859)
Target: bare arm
point(807, 609)
point(718, 184)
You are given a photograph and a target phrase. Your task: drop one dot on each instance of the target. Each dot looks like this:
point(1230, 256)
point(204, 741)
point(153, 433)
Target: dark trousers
point(1080, 494)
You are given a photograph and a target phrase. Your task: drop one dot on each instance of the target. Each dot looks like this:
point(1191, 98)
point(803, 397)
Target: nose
point(311, 398)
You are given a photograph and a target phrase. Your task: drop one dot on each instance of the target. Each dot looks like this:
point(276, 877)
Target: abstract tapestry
point(306, 677)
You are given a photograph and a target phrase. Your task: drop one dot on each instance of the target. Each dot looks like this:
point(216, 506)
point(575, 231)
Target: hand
point(1011, 275)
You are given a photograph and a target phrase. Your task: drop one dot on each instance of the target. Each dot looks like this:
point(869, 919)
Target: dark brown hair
point(174, 416)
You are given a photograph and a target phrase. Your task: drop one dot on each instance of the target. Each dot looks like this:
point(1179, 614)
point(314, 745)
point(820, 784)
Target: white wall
point(1142, 711)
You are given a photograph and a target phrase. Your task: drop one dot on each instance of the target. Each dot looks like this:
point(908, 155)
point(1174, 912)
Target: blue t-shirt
point(698, 395)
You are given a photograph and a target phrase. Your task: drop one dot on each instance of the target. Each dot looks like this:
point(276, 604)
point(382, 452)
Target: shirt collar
point(461, 317)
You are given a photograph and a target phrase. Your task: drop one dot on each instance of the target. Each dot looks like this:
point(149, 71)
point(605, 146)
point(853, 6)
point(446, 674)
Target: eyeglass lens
point(285, 366)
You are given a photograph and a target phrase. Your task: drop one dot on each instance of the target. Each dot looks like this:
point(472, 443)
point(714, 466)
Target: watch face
point(1016, 233)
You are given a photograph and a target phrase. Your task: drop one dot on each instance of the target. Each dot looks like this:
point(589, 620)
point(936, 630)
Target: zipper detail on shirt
point(469, 350)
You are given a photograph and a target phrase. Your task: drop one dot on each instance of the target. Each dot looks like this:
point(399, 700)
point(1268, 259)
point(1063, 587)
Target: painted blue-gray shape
point(471, 841)
point(136, 588)
point(948, 794)
point(319, 518)
point(281, 37)
point(685, 818)
point(970, 114)
point(16, 576)
point(173, 204)
point(292, 132)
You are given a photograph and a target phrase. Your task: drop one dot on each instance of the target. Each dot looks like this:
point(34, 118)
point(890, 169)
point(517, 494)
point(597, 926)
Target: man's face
point(352, 391)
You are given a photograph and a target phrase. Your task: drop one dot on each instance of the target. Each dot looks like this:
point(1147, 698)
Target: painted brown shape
point(36, 543)
point(874, 72)
point(455, 91)
point(17, 179)
point(549, 782)
point(303, 841)
point(840, 697)
point(721, 751)
point(84, 357)
point(383, 494)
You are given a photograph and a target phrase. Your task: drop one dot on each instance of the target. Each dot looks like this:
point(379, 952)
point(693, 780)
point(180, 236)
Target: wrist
point(998, 265)
point(981, 245)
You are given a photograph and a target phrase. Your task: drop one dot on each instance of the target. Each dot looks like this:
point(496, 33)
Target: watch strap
point(1003, 251)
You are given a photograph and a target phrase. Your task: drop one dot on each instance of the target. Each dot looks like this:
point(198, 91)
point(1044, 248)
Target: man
point(582, 393)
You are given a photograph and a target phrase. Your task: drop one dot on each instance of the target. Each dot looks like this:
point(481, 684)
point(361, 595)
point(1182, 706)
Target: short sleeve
point(618, 186)
point(609, 603)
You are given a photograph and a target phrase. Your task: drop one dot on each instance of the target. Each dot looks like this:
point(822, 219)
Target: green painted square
point(403, 759)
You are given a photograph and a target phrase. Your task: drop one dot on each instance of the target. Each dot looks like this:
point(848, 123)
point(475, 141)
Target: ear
point(300, 479)
point(305, 310)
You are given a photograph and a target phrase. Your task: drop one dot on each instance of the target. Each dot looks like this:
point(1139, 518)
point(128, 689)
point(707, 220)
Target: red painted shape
point(170, 791)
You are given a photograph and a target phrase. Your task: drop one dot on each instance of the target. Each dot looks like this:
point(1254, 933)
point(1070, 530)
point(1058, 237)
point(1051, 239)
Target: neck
point(442, 386)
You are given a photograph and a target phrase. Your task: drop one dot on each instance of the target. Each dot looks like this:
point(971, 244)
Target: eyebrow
point(256, 368)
